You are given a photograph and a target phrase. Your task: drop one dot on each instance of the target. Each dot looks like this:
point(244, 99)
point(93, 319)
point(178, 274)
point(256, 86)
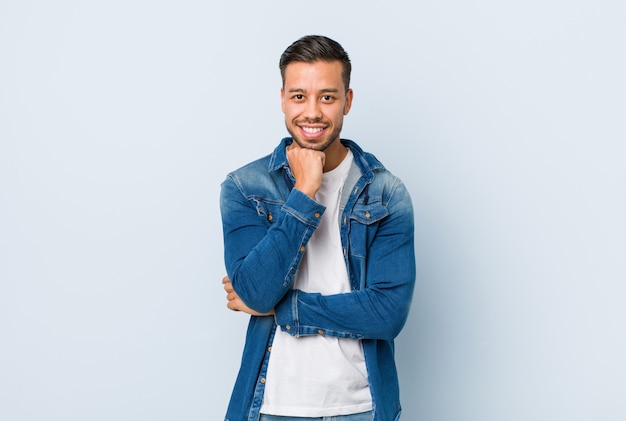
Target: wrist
point(308, 190)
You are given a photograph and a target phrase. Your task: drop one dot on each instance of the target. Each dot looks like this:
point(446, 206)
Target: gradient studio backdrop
point(119, 120)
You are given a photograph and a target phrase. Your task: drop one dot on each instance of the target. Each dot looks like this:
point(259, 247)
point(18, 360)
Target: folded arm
point(262, 256)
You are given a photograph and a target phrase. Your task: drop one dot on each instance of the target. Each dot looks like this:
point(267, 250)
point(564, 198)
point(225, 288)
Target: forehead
point(323, 74)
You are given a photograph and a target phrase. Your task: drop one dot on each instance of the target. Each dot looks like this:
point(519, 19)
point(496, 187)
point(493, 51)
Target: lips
point(312, 132)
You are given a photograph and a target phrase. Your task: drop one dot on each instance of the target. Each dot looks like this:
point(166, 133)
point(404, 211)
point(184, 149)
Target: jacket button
point(263, 380)
point(302, 249)
point(287, 327)
point(320, 332)
point(367, 215)
point(317, 214)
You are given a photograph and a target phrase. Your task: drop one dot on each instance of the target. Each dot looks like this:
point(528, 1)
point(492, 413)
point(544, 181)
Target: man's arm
point(262, 260)
point(235, 303)
point(377, 312)
point(380, 310)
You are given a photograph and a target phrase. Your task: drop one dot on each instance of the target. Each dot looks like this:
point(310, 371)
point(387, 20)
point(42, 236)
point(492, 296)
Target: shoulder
point(255, 180)
point(265, 167)
point(390, 187)
point(256, 168)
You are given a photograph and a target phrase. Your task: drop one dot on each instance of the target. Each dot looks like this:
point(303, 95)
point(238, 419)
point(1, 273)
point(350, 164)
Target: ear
point(348, 104)
point(282, 98)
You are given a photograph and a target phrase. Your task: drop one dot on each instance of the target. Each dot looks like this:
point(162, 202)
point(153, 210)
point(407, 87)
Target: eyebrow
point(323, 91)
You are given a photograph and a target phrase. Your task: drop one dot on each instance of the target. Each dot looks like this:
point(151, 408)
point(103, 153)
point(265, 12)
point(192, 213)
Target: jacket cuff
point(304, 208)
point(285, 313)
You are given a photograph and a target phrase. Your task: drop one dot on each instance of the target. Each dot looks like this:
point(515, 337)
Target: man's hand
point(235, 303)
point(307, 166)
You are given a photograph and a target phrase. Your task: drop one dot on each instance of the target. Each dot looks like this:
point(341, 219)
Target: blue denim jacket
point(267, 224)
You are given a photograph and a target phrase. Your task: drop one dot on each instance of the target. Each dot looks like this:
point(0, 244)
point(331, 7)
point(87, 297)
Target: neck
point(335, 154)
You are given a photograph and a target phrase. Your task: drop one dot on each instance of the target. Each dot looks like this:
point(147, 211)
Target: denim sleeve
point(377, 311)
point(261, 258)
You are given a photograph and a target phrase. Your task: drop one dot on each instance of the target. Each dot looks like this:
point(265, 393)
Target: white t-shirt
point(319, 376)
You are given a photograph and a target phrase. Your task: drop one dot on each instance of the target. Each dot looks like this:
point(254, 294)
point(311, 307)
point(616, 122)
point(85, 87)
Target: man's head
point(312, 48)
point(316, 95)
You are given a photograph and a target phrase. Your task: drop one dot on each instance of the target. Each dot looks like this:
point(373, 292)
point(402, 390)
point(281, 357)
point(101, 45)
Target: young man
point(318, 244)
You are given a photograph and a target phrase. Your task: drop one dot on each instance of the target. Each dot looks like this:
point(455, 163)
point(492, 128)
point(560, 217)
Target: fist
point(307, 166)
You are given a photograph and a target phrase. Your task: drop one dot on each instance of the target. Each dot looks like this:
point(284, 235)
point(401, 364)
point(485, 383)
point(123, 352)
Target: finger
point(233, 305)
point(225, 279)
point(228, 287)
point(232, 308)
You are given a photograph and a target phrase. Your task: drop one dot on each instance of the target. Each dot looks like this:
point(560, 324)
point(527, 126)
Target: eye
point(298, 97)
point(327, 98)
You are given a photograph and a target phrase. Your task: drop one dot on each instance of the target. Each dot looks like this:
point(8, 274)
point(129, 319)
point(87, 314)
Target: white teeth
point(312, 130)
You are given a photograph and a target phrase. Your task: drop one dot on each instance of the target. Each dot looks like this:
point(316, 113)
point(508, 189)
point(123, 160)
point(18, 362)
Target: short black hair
point(312, 48)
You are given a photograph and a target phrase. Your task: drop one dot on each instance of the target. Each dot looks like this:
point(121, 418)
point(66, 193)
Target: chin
point(321, 145)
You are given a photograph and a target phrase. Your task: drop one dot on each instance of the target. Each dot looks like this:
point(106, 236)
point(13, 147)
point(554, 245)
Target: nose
point(312, 110)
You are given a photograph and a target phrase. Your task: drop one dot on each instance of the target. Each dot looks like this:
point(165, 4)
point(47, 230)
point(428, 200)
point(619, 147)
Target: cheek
point(292, 111)
point(338, 114)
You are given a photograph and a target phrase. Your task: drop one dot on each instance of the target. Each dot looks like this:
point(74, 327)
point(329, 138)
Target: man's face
point(314, 100)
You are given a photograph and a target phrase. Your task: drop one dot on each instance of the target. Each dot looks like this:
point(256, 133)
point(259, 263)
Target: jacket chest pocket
point(364, 222)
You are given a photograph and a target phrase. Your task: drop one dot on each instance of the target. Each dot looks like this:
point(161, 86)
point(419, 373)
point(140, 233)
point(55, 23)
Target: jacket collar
point(366, 162)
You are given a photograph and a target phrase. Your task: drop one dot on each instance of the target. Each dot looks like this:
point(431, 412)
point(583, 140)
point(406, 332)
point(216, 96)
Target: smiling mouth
point(312, 130)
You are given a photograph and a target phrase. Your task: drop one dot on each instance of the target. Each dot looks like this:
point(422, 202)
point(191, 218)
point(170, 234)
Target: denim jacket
point(267, 224)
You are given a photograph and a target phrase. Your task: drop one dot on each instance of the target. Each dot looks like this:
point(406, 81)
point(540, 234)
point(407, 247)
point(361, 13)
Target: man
point(318, 244)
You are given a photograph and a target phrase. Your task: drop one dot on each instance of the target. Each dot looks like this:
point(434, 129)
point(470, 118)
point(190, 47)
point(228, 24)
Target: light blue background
point(119, 120)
